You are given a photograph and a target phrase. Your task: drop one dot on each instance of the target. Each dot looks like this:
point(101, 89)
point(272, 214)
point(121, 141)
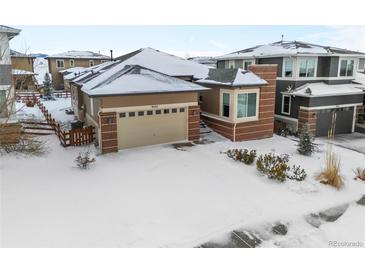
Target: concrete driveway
point(354, 141)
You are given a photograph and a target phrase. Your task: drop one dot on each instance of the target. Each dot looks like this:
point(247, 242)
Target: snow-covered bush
point(26, 144)
point(274, 166)
point(331, 175)
point(84, 160)
point(360, 173)
point(242, 155)
point(296, 173)
point(306, 144)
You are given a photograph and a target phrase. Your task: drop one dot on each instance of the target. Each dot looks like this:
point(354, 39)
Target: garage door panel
point(344, 119)
point(151, 129)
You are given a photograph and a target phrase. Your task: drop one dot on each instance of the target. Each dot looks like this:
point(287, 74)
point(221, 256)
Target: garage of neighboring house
point(340, 118)
point(151, 126)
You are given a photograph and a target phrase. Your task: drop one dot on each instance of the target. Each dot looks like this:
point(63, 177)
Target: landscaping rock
point(361, 201)
point(314, 220)
point(332, 214)
point(246, 239)
point(280, 229)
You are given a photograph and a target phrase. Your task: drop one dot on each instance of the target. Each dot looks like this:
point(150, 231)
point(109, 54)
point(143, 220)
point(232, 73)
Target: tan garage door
point(150, 127)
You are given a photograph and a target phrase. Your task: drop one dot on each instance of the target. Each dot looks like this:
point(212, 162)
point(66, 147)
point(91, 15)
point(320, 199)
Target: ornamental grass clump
point(242, 155)
point(331, 175)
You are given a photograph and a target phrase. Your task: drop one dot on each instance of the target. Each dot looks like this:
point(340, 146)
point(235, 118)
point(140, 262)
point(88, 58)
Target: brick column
point(309, 117)
point(109, 134)
point(193, 123)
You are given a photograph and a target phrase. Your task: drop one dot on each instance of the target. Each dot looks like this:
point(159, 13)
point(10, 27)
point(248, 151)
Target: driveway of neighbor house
point(354, 141)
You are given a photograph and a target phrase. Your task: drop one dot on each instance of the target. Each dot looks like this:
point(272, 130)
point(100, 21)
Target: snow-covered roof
point(78, 54)
point(165, 63)
point(139, 80)
point(73, 70)
point(14, 53)
point(11, 32)
point(232, 77)
point(288, 48)
point(322, 89)
point(22, 72)
point(85, 73)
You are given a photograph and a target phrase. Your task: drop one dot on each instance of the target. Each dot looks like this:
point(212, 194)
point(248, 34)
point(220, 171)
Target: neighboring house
point(209, 61)
point(240, 105)
point(71, 59)
point(314, 83)
point(149, 97)
point(23, 71)
point(6, 88)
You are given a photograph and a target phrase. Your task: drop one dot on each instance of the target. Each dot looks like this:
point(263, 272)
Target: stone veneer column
point(109, 134)
point(309, 117)
point(193, 123)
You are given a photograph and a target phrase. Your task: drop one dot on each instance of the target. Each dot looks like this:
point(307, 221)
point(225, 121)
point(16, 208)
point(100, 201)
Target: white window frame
point(63, 62)
point(315, 67)
point(353, 69)
point(230, 104)
point(292, 68)
point(282, 104)
point(93, 63)
point(251, 118)
point(71, 61)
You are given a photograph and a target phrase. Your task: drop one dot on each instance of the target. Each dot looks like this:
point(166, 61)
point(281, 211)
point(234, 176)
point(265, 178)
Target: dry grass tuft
point(360, 173)
point(330, 175)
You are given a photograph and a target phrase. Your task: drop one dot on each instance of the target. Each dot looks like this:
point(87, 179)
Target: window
point(91, 63)
point(288, 67)
point(285, 107)
point(122, 115)
point(225, 104)
point(182, 109)
point(158, 111)
point(72, 62)
point(174, 110)
point(140, 113)
point(200, 98)
point(246, 105)
point(149, 112)
point(230, 63)
point(131, 114)
point(60, 64)
point(166, 111)
point(246, 64)
point(307, 67)
point(346, 68)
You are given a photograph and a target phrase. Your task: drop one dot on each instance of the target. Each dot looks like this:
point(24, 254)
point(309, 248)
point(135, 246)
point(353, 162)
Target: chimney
point(111, 55)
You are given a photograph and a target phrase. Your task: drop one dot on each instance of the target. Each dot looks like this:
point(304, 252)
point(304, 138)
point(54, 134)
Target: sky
point(184, 41)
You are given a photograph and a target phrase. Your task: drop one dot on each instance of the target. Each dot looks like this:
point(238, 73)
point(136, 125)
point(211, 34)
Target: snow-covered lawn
point(160, 197)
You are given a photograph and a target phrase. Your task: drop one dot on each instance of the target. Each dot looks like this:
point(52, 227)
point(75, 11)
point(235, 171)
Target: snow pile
point(78, 54)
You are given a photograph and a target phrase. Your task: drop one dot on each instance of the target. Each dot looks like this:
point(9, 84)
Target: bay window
point(246, 105)
point(226, 104)
point(347, 68)
point(288, 67)
point(307, 67)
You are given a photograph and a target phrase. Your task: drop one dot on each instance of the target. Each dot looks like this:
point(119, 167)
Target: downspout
point(99, 132)
point(234, 132)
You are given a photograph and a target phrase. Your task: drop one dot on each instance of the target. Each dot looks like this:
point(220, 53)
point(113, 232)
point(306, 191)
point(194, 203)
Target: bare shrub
point(27, 144)
point(360, 173)
point(330, 175)
point(84, 160)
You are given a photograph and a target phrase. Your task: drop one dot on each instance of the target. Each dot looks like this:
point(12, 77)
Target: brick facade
point(309, 117)
point(109, 133)
point(193, 123)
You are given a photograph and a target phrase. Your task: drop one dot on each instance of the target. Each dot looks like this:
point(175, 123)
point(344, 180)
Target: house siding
point(276, 61)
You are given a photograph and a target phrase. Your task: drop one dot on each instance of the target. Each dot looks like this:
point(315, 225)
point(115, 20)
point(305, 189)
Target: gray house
point(315, 84)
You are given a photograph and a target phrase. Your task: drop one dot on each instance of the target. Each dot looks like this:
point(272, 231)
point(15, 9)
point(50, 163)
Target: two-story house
point(314, 83)
point(6, 88)
point(23, 71)
point(70, 59)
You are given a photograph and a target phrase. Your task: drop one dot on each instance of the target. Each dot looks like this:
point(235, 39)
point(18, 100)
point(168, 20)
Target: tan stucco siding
point(148, 99)
point(210, 101)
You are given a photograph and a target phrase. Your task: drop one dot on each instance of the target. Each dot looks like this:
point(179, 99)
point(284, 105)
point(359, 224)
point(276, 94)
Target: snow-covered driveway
point(156, 196)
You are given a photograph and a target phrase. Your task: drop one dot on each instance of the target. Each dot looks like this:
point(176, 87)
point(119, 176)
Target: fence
point(73, 137)
point(30, 95)
point(10, 133)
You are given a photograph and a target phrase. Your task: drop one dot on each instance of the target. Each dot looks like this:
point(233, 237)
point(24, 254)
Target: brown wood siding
point(148, 99)
point(23, 63)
